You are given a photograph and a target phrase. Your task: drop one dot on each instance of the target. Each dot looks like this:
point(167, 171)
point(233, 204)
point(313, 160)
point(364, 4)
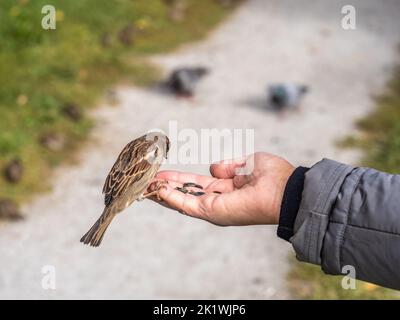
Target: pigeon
point(183, 80)
point(286, 95)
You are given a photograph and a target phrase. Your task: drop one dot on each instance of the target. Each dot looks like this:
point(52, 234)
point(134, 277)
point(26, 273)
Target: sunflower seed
point(192, 185)
point(197, 194)
point(183, 190)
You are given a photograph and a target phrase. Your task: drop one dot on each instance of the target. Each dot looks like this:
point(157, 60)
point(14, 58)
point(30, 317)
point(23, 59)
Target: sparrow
point(286, 95)
point(128, 180)
point(183, 81)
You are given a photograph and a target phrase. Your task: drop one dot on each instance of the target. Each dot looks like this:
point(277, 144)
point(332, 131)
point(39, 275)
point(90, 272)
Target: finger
point(154, 185)
point(221, 185)
point(171, 204)
point(226, 169)
point(205, 207)
point(184, 203)
point(184, 177)
point(240, 181)
point(161, 203)
point(225, 209)
point(218, 209)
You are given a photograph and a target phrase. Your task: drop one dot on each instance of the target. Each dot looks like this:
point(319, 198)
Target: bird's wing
point(131, 165)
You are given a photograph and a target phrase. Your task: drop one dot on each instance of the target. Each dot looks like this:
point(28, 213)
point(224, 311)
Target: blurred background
point(72, 97)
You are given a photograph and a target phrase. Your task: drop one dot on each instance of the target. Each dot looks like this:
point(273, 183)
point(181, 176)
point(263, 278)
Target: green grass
point(379, 137)
point(379, 140)
point(43, 70)
point(307, 281)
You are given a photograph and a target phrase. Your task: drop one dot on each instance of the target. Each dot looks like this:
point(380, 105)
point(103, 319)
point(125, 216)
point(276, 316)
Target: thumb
point(226, 169)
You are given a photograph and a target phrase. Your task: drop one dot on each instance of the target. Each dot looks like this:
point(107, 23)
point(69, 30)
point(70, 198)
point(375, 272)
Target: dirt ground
point(152, 252)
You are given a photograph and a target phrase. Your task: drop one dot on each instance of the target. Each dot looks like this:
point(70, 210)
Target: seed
point(183, 190)
point(196, 193)
point(192, 185)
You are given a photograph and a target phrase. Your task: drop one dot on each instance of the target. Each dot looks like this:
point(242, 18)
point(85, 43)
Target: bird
point(128, 180)
point(183, 81)
point(14, 171)
point(286, 95)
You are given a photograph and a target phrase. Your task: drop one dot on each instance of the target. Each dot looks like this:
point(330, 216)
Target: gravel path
point(152, 252)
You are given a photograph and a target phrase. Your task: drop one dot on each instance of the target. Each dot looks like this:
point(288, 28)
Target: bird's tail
point(95, 234)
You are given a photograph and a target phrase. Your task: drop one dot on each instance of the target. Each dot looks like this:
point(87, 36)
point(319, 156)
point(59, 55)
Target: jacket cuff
point(291, 203)
point(321, 188)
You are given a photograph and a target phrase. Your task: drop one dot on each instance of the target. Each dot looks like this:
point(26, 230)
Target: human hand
point(245, 199)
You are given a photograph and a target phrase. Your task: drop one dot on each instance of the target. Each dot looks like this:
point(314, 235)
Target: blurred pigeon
point(286, 95)
point(13, 171)
point(9, 210)
point(183, 80)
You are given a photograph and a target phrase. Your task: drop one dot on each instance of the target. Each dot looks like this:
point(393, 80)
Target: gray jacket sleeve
point(350, 216)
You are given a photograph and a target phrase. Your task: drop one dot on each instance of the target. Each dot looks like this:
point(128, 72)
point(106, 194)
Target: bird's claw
point(158, 185)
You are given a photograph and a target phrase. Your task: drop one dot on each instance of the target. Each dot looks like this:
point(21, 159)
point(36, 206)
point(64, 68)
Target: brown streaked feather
point(132, 163)
point(129, 177)
point(95, 234)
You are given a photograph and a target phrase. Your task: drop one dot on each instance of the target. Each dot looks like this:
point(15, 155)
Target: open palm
point(249, 190)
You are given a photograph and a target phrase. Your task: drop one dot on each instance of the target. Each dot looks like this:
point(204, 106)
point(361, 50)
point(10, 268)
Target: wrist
point(290, 203)
point(281, 186)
